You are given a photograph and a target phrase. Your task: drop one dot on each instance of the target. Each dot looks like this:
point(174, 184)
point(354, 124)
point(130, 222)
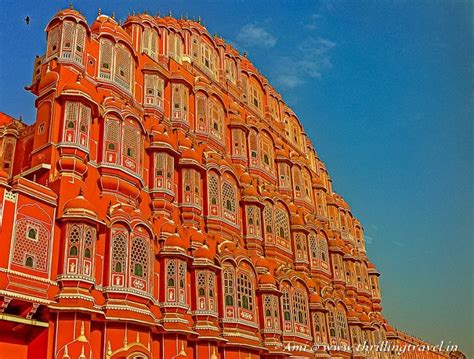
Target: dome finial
point(113, 15)
point(170, 14)
point(199, 19)
point(99, 12)
point(71, 6)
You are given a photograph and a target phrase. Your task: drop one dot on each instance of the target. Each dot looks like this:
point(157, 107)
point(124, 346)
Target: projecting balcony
point(68, 56)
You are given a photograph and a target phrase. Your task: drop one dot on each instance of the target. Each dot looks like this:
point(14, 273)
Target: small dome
point(79, 205)
point(267, 278)
point(191, 154)
point(204, 252)
point(315, 298)
point(175, 241)
point(250, 191)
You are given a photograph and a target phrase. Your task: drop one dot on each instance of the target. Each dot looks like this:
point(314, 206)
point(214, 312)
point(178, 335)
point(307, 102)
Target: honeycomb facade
point(167, 203)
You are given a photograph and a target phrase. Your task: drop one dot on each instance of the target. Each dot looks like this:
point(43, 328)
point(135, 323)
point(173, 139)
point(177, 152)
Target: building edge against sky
point(167, 203)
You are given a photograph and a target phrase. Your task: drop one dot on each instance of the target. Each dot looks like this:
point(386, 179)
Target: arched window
point(154, 91)
point(254, 160)
point(115, 64)
point(77, 119)
point(201, 113)
point(216, 120)
point(131, 146)
point(29, 262)
point(320, 327)
point(244, 292)
point(139, 258)
point(112, 141)
point(286, 307)
point(175, 46)
point(180, 100)
point(300, 307)
point(119, 258)
point(150, 43)
point(52, 48)
point(205, 285)
point(228, 278)
point(342, 325)
point(176, 281)
point(300, 245)
point(253, 221)
point(282, 225)
point(213, 194)
point(123, 63)
point(331, 324)
point(229, 200)
point(230, 70)
point(266, 151)
point(272, 310)
point(239, 142)
point(106, 59)
point(191, 186)
point(164, 172)
point(297, 182)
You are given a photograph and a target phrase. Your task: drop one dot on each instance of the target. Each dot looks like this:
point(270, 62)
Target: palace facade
point(167, 203)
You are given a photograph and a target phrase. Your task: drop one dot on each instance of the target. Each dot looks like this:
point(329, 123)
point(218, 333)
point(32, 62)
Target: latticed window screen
point(253, 221)
point(175, 44)
point(297, 181)
point(230, 70)
point(300, 308)
point(213, 189)
point(150, 41)
point(313, 246)
point(119, 252)
point(255, 97)
point(131, 148)
point(282, 223)
point(323, 248)
point(201, 113)
point(182, 275)
point(228, 278)
point(228, 196)
point(76, 124)
point(342, 324)
point(245, 87)
point(307, 186)
point(253, 148)
point(75, 234)
point(53, 41)
point(268, 219)
point(285, 302)
point(301, 250)
point(217, 120)
point(80, 41)
point(31, 245)
point(244, 292)
point(284, 174)
point(106, 56)
point(68, 36)
point(153, 94)
point(201, 283)
point(122, 65)
point(139, 257)
point(266, 153)
point(171, 274)
point(89, 238)
point(331, 324)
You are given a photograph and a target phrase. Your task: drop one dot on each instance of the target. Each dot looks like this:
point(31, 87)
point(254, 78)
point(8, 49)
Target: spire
point(66, 353)
point(109, 349)
point(82, 338)
point(182, 352)
point(99, 12)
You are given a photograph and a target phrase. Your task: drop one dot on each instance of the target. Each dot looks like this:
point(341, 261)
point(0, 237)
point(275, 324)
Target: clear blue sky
point(385, 91)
